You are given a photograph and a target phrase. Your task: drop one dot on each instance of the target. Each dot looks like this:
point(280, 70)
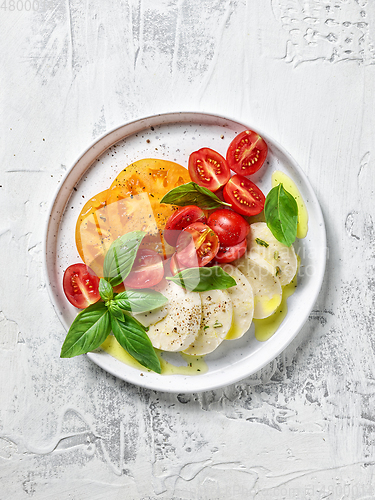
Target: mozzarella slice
point(217, 310)
point(266, 286)
point(282, 258)
point(150, 317)
point(242, 298)
point(180, 326)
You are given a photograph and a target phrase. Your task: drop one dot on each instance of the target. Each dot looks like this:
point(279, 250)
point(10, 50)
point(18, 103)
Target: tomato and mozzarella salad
point(193, 218)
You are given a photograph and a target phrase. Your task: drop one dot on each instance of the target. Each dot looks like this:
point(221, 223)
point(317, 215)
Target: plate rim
point(175, 117)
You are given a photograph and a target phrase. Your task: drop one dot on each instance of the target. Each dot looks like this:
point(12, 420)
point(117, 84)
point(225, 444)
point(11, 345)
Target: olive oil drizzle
point(265, 328)
point(303, 216)
point(192, 365)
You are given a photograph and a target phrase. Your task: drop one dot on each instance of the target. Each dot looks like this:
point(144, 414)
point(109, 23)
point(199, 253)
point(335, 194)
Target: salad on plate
point(181, 260)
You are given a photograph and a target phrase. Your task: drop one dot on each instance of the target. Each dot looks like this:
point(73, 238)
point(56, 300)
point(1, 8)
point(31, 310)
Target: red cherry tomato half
point(180, 219)
point(230, 227)
point(196, 246)
point(245, 197)
point(229, 254)
point(208, 169)
point(246, 153)
point(147, 270)
point(81, 285)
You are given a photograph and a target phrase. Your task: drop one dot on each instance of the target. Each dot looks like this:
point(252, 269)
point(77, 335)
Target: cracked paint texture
point(332, 31)
point(304, 426)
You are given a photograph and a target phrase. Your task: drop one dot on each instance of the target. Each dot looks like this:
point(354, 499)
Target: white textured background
point(304, 71)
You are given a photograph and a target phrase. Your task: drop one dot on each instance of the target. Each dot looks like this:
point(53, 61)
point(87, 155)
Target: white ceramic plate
point(173, 137)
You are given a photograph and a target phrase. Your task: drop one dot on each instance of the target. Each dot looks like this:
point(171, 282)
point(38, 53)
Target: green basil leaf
point(88, 331)
point(138, 301)
point(193, 194)
point(115, 310)
point(120, 257)
point(281, 212)
point(201, 279)
point(105, 290)
point(132, 336)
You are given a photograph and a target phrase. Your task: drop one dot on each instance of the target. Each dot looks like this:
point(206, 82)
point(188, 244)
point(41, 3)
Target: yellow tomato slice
point(131, 203)
point(134, 199)
point(153, 177)
point(93, 232)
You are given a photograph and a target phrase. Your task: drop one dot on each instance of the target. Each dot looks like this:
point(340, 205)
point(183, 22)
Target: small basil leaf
point(138, 301)
point(201, 279)
point(116, 310)
point(105, 290)
point(281, 212)
point(193, 194)
point(120, 257)
point(88, 331)
point(132, 336)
